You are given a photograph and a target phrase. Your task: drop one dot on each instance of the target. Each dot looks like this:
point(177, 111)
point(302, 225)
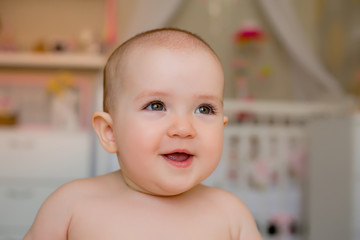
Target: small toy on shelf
point(64, 105)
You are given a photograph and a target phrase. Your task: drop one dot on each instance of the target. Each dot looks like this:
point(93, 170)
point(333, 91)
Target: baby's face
point(168, 120)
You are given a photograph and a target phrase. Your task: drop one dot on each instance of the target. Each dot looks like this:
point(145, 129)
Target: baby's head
point(169, 38)
point(163, 111)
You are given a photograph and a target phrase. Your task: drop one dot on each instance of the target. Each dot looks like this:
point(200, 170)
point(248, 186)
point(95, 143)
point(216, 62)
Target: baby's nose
point(181, 126)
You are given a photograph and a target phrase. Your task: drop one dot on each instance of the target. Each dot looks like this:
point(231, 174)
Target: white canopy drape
point(282, 17)
point(149, 15)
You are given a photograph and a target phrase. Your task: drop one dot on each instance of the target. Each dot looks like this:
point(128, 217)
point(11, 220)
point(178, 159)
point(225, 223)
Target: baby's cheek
point(215, 137)
point(214, 144)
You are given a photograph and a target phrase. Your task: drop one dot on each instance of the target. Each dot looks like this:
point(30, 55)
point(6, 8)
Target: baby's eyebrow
point(151, 94)
point(210, 98)
point(155, 93)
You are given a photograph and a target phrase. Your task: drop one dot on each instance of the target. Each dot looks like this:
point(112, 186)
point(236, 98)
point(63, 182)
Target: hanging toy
point(248, 37)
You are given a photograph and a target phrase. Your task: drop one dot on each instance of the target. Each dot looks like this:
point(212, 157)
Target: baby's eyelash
point(156, 105)
point(212, 109)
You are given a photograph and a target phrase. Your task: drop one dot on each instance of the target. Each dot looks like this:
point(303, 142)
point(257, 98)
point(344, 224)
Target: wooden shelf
point(52, 60)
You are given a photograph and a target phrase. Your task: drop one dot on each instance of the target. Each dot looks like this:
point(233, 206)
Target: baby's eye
point(155, 106)
point(205, 109)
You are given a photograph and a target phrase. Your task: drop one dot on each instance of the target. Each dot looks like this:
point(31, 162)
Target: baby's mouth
point(179, 159)
point(178, 156)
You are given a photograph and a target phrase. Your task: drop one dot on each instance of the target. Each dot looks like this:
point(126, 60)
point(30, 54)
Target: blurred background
point(292, 93)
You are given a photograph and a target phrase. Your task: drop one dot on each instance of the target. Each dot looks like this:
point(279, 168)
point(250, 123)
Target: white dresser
point(32, 165)
point(37, 157)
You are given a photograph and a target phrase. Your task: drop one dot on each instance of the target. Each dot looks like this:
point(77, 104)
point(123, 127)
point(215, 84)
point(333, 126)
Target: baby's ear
point(226, 119)
point(103, 126)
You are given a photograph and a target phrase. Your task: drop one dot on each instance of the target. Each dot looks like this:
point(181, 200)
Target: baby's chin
point(165, 189)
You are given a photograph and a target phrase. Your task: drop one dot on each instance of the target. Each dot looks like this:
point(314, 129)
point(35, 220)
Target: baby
point(163, 117)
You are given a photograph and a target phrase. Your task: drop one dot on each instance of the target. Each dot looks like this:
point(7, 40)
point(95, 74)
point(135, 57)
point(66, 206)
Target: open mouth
point(179, 159)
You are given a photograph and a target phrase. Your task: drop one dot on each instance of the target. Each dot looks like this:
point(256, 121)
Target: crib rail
point(264, 160)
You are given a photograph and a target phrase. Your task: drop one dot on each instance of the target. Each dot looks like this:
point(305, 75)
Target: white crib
point(264, 162)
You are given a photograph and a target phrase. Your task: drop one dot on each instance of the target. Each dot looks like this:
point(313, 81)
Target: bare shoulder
point(242, 223)
point(54, 216)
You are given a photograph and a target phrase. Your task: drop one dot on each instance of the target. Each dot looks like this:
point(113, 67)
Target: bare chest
point(115, 221)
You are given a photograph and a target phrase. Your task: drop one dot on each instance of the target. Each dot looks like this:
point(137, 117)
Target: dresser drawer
point(31, 154)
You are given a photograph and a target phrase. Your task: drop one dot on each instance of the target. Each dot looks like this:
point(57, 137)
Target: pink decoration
point(297, 161)
point(249, 33)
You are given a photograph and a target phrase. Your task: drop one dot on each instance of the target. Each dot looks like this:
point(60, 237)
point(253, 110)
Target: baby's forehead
point(176, 40)
point(151, 49)
point(156, 58)
point(157, 51)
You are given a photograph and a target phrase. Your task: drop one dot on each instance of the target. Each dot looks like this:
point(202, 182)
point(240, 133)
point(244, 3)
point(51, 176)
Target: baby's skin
point(106, 208)
point(163, 118)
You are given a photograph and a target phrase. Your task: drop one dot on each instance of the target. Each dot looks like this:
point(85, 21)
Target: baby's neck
point(132, 188)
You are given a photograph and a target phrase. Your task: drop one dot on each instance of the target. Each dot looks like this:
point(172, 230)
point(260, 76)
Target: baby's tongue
point(178, 156)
